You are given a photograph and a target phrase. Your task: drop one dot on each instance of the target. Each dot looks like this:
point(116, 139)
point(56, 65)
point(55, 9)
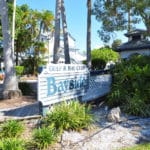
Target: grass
point(12, 144)
point(11, 129)
point(145, 146)
point(65, 116)
point(43, 137)
point(69, 116)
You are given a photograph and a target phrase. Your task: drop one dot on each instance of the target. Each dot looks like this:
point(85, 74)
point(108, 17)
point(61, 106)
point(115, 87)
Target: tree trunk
point(65, 34)
point(57, 31)
point(88, 41)
point(10, 86)
point(13, 27)
point(129, 20)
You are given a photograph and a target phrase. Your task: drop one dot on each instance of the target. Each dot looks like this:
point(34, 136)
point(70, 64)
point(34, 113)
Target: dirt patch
point(29, 77)
point(17, 102)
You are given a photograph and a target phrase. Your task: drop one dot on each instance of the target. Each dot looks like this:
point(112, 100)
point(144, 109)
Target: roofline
point(132, 48)
point(135, 32)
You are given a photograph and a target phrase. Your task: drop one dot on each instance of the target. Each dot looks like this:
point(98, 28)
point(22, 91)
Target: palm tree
point(10, 86)
point(23, 36)
point(65, 33)
point(45, 18)
point(13, 27)
point(57, 31)
point(88, 41)
point(60, 9)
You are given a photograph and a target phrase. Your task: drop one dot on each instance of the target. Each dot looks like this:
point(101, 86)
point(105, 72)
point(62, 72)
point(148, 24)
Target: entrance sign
point(59, 82)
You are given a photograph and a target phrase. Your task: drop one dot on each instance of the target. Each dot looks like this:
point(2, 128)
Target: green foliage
point(35, 61)
point(101, 56)
point(113, 16)
point(72, 115)
point(12, 144)
point(131, 86)
point(28, 27)
point(10, 129)
point(38, 59)
point(28, 69)
point(25, 88)
point(145, 146)
point(19, 70)
point(45, 136)
point(116, 43)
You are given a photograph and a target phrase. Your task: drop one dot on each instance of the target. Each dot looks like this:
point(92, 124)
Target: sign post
point(59, 82)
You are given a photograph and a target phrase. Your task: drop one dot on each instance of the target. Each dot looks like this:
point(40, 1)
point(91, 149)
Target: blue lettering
point(60, 87)
point(81, 82)
point(66, 85)
point(51, 85)
point(71, 86)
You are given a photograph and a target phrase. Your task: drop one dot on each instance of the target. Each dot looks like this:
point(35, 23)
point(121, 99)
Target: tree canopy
point(28, 27)
point(118, 15)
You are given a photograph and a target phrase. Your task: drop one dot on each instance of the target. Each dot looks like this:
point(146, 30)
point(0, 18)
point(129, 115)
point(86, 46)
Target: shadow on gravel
point(28, 110)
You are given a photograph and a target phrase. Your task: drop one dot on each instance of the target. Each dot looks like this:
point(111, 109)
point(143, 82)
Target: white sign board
point(58, 82)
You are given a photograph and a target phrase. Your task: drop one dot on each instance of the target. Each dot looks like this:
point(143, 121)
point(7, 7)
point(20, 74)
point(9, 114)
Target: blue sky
point(76, 12)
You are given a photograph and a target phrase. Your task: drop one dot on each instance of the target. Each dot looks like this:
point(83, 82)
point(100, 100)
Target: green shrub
point(28, 68)
point(11, 128)
point(19, 70)
point(72, 115)
point(35, 61)
point(12, 144)
point(131, 86)
point(101, 56)
point(45, 136)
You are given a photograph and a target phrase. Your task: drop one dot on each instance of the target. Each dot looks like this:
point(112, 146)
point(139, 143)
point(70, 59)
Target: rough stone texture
point(11, 94)
point(114, 115)
point(110, 138)
point(108, 135)
point(138, 126)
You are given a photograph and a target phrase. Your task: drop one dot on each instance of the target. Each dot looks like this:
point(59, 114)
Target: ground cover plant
point(44, 136)
point(69, 116)
point(12, 144)
point(145, 146)
point(131, 86)
point(65, 116)
point(11, 129)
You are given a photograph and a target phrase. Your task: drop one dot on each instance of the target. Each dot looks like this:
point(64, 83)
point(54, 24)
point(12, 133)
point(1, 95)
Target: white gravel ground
point(105, 135)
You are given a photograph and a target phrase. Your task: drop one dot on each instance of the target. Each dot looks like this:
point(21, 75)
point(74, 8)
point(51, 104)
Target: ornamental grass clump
point(43, 137)
point(69, 116)
point(11, 129)
point(12, 144)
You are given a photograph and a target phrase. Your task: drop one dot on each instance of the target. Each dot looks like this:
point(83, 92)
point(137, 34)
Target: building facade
point(137, 44)
point(75, 55)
